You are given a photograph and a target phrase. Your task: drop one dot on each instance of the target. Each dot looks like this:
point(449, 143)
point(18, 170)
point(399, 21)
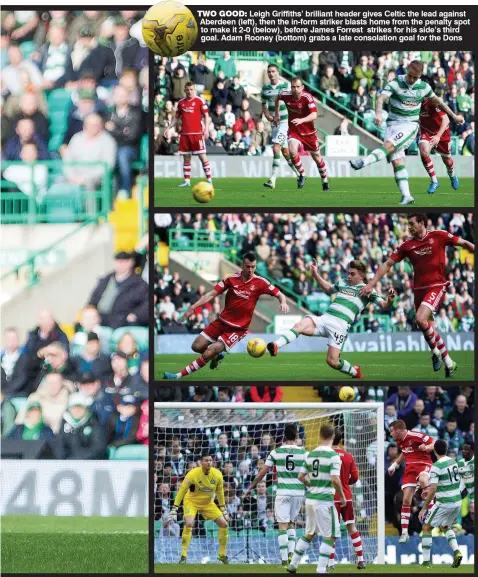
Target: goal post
point(239, 436)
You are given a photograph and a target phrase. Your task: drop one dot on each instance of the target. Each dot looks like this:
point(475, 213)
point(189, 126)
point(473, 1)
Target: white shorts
point(401, 135)
point(439, 516)
point(287, 507)
point(328, 326)
point(322, 519)
point(279, 134)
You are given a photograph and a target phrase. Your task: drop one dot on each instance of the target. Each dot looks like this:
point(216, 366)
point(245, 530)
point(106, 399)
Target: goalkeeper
point(198, 490)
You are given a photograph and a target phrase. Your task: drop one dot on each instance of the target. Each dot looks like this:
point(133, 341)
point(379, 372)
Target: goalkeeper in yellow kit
point(198, 490)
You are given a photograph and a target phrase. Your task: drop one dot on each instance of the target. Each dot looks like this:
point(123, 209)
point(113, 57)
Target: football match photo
point(280, 129)
point(307, 297)
point(351, 479)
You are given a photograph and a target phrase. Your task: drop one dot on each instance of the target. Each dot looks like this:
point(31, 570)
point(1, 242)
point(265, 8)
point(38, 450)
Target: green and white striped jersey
point(406, 100)
point(268, 96)
point(467, 473)
point(348, 303)
point(446, 475)
point(288, 461)
point(320, 464)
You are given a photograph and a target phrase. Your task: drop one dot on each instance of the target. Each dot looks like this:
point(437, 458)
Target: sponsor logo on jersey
point(188, 109)
point(241, 294)
point(407, 449)
point(349, 292)
point(205, 490)
point(423, 251)
point(410, 102)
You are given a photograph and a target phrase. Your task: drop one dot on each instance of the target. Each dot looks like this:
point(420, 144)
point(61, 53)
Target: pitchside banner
point(74, 488)
point(357, 342)
point(260, 167)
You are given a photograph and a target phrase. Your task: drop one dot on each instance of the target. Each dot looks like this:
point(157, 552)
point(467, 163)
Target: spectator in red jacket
point(266, 394)
point(245, 123)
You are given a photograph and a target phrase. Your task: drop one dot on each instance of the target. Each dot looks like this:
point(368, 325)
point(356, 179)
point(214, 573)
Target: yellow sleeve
point(183, 489)
point(220, 490)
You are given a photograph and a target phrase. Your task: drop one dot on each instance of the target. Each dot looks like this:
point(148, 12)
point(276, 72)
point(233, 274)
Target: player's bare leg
point(305, 327)
point(295, 157)
point(357, 545)
point(319, 161)
point(223, 538)
point(450, 168)
point(405, 513)
point(206, 167)
point(186, 170)
point(186, 537)
point(427, 162)
point(433, 339)
point(209, 351)
point(335, 362)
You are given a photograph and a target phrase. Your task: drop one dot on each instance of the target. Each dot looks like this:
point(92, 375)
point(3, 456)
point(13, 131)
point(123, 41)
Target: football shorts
point(401, 135)
point(279, 134)
point(310, 142)
point(347, 513)
point(209, 512)
point(192, 144)
point(322, 519)
point(332, 328)
point(286, 508)
point(430, 297)
point(412, 472)
point(439, 516)
point(443, 147)
point(220, 331)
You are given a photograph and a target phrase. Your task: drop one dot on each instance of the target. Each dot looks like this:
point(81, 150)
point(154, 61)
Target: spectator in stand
point(363, 74)
point(467, 321)
point(462, 414)
point(225, 64)
point(56, 359)
point(122, 383)
point(344, 79)
point(412, 419)
point(92, 360)
point(453, 436)
point(54, 58)
point(227, 139)
point(360, 102)
point(11, 352)
point(404, 401)
point(7, 412)
point(229, 116)
point(121, 297)
point(98, 402)
point(123, 424)
point(464, 103)
point(265, 394)
point(89, 322)
point(91, 19)
point(329, 83)
point(217, 116)
point(129, 347)
point(443, 323)
point(178, 84)
point(163, 83)
point(76, 116)
point(343, 129)
point(33, 427)
point(244, 123)
point(197, 74)
point(12, 74)
point(236, 94)
point(28, 105)
point(237, 146)
point(24, 134)
point(142, 435)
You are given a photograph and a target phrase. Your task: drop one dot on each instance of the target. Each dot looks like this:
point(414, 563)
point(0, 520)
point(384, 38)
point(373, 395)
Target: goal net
point(239, 437)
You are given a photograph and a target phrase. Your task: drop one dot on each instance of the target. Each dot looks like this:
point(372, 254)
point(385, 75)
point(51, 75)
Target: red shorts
point(347, 512)
point(220, 331)
point(191, 144)
point(310, 142)
point(412, 472)
point(443, 147)
point(430, 297)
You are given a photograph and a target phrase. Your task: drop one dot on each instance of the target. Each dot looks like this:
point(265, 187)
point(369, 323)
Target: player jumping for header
point(243, 291)
point(406, 94)
point(426, 250)
point(338, 319)
point(302, 114)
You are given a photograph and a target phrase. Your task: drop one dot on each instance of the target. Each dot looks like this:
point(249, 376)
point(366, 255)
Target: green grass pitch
point(34, 544)
point(312, 367)
point(353, 192)
point(215, 568)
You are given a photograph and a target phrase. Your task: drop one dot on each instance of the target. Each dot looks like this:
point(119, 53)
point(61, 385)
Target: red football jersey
point(427, 256)
point(191, 113)
point(300, 108)
point(241, 298)
point(431, 118)
point(348, 473)
point(409, 448)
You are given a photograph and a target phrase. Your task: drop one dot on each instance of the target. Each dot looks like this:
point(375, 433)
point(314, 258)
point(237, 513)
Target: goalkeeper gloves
point(173, 514)
point(224, 512)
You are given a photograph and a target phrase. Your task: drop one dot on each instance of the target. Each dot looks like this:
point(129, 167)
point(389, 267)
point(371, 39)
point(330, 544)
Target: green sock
point(426, 547)
point(346, 367)
point(275, 166)
point(376, 156)
point(286, 338)
point(401, 178)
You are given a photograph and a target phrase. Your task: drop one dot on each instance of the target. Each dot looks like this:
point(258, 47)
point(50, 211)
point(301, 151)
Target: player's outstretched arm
point(387, 303)
point(383, 270)
point(469, 246)
point(211, 295)
point(325, 285)
point(262, 473)
point(440, 103)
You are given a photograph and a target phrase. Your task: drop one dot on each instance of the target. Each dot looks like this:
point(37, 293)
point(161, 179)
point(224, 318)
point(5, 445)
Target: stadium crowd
point(239, 451)
point(285, 244)
point(74, 88)
point(86, 395)
point(351, 79)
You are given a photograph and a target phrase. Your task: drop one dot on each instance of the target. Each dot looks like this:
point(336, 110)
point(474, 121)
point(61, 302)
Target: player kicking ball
point(321, 475)
point(288, 460)
point(302, 113)
point(243, 291)
point(426, 251)
point(445, 488)
point(406, 94)
point(336, 322)
point(190, 112)
point(435, 134)
point(415, 450)
point(269, 94)
point(198, 490)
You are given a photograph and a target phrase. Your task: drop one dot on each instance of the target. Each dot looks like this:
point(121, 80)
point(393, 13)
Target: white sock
point(275, 167)
point(300, 548)
point(291, 539)
point(179, 376)
point(451, 538)
point(287, 338)
point(283, 547)
point(426, 547)
point(401, 178)
point(346, 367)
point(375, 156)
point(325, 551)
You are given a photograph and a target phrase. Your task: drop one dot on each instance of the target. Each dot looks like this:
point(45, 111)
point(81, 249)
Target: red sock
point(194, 366)
point(440, 346)
point(332, 555)
point(298, 164)
point(428, 164)
point(450, 165)
point(207, 169)
point(430, 335)
point(323, 171)
point(357, 544)
point(405, 518)
point(187, 170)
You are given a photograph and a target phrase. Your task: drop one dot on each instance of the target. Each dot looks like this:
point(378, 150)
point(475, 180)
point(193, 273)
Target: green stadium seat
point(317, 302)
point(62, 203)
point(111, 452)
point(287, 283)
point(27, 48)
point(19, 403)
point(131, 453)
point(142, 163)
point(261, 269)
point(454, 145)
point(58, 103)
point(140, 335)
point(413, 148)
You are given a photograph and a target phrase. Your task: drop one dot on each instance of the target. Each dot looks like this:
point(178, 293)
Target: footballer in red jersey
point(426, 251)
point(191, 111)
point(415, 450)
point(243, 291)
point(349, 475)
point(302, 114)
point(435, 134)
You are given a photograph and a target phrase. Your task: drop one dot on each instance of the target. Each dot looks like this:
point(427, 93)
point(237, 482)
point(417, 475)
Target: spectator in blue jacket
point(24, 132)
point(33, 427)
point(96, 399)
point(404, 401)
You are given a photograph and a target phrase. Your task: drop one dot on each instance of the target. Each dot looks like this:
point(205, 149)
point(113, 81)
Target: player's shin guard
point(401, 178)
point(223, 538)
point(357, 545)
point(405, 519)
point(322, 171)
point(194, 366)
point(426, 547)
point(298, 165)
point(286, 338)
point(347, 368)
point(275, 166)
point(283, 546)
point(300, 548)
point(376, 156)
point(428, 164)
point(187, 170)
point(291, 540)
point(326, 549)
point(186, 540)
point(207, 169)
point(451, 538)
